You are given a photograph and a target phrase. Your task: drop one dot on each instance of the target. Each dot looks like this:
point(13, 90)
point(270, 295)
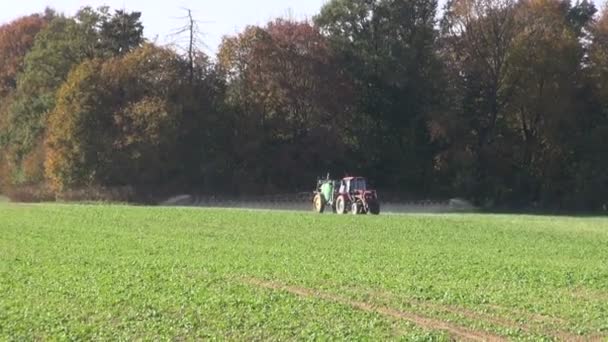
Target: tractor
point(350, 194)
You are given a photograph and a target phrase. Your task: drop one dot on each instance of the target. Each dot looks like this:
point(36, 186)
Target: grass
point(117, 272)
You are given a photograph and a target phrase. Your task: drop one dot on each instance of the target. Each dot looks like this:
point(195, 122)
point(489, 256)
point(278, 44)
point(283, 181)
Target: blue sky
point(161, 18)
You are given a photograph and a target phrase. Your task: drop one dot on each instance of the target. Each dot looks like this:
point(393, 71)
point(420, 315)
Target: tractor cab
point(353, 184)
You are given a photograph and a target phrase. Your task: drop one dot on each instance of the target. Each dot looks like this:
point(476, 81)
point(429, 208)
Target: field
point(117, 272)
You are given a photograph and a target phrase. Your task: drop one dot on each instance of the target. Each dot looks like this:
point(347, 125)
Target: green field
point(117, 272)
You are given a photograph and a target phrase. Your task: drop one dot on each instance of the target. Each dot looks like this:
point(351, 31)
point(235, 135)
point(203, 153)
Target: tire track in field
point(458, 332)
point(559, 335)
point(534, 319)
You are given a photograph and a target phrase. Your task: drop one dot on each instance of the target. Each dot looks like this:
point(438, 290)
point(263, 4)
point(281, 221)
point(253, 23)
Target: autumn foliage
point(115, 121)
point(16, 39)
point(292, 100)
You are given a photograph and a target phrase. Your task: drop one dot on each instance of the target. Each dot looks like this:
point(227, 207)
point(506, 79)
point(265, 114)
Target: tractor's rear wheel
point(318, 204)
point(341, 205)
point(374, 208)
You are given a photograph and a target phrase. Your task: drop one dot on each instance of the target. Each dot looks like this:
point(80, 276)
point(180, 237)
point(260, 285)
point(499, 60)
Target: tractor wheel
point(318, 204)
point(341, 205)
point(356, 208)
point(374, 208)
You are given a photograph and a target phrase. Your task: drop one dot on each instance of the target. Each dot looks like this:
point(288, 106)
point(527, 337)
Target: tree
point(547, 59)
point(388, 48)
point(189, 39)
point(580, 16)
point(16, 40)
point(122, 32)
point(599, 57)
point(291, 100)
point(77, 138)
point(477, 37)
point(515, 84)
point(56, 49)
point(116, 122)
point(204, 146)
point(591, 144)
point(62, 45)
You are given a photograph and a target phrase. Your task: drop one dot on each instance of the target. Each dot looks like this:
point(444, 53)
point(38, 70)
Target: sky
point(161, 19)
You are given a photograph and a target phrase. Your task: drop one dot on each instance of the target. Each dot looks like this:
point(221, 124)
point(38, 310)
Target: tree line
point(503, 102)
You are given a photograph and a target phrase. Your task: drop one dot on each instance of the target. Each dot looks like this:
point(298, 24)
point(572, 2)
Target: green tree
point(122, 32)
point(388, 48)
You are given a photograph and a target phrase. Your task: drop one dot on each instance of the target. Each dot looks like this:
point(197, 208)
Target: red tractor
point(351, 194)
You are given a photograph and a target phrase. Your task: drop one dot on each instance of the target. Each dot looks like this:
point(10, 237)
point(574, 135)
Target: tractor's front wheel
point(318, 204)
point(341, 205)
point(356, 208)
